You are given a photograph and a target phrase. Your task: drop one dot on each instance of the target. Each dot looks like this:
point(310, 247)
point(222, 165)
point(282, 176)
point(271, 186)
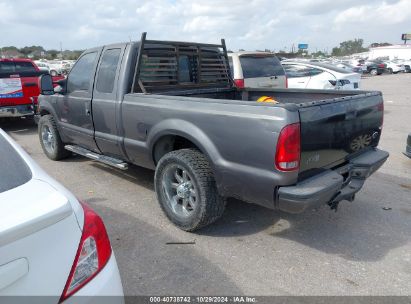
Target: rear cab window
point(261, 65)
point(16, 67)
point(107, 70)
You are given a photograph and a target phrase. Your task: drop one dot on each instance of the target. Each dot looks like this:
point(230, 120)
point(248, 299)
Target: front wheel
point(374, 72)
point(186, 190)
point(50, 139)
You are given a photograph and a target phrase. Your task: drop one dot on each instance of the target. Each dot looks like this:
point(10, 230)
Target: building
point(401, 51)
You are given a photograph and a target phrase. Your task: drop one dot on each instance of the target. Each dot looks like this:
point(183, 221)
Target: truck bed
point(334, 124)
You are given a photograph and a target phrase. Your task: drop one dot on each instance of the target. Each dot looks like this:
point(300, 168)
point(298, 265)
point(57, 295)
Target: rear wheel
point(374, 72)
point(390, 70)
point(50, 139)
point(186, 190)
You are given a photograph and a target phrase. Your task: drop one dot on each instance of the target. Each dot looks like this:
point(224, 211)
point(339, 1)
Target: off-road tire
point(210, 205)
point(58, 152)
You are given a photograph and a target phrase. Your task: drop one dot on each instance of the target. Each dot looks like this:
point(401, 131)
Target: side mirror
point(46, 85)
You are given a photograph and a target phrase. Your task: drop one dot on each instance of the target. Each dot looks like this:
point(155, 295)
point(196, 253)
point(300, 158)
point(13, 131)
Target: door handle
point(13, 271)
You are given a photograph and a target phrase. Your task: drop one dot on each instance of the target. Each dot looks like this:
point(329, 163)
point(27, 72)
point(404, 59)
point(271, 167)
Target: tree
point(376, 44)
point(349, 47)
point(31, 49)
point(319, 54)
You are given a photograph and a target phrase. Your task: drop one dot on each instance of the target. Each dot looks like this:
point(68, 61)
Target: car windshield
point(261, 66)
point(13, 170)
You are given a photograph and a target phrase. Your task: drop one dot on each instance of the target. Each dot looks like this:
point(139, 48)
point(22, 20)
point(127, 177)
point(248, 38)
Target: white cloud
point(248, 24)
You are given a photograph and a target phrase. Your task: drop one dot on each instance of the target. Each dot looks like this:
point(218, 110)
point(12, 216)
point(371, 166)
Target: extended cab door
point(75, 103)
point(106, 101)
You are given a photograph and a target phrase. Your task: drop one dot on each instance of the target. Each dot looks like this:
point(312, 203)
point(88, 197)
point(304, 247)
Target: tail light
point(381, 109)
point(239, 83)
point(287, 157)
point(286, 82)
point(92, 255)
point(381, 65)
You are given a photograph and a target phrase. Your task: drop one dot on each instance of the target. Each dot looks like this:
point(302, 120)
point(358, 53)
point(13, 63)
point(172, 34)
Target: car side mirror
point(46, 85)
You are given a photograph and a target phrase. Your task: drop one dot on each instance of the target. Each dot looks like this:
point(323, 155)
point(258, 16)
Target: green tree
point(319, 54)
point(377, 44)
point(349, 47)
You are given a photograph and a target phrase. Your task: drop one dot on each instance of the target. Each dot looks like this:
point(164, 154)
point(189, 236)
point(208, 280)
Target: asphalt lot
point(360, 250)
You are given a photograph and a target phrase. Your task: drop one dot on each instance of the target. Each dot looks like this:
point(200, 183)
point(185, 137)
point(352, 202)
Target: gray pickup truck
point(172, 107)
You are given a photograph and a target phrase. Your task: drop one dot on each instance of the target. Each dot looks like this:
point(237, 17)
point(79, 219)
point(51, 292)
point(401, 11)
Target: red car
point(19, 87)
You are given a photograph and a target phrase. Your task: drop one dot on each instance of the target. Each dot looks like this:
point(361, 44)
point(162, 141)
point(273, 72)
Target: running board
point(117, 163)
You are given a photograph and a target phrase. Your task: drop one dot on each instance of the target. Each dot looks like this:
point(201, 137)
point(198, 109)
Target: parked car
point(374, 67)
point(408, 147)
point(50, 243)
point(348, 67)
point(205, 138)
point(19, 87)
point(406, 63)
point(317, 75)
point(42, 66)
point(257, 70)
point(394, 67)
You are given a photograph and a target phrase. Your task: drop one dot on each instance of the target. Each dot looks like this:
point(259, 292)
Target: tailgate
point(334, 130)
point(18, 88)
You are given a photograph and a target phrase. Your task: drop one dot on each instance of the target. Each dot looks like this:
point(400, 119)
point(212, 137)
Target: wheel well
point(44, 112)
point(170, 143)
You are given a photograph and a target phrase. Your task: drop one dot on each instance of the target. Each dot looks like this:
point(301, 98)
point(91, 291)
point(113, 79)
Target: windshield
point(261, 66)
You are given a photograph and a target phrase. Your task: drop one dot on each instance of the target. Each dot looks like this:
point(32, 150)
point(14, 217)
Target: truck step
point(114, 162)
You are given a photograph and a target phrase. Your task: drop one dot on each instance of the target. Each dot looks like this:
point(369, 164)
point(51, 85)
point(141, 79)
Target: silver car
point(257, 70)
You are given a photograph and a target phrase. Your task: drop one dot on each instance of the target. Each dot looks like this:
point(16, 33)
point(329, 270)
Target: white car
point(316, 75)
point(257, 70)
point(50, 244)
point(42, 66)
point(394, 67)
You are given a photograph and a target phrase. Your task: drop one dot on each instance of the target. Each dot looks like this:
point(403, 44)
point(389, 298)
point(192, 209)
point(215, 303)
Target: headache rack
point(172, 65)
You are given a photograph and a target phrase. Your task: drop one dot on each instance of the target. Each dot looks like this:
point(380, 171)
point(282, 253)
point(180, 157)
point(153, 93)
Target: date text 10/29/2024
point(201, 299)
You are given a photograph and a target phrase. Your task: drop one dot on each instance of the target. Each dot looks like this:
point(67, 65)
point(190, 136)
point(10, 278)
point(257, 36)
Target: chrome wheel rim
point(48, 139)
point(360, 142)
point(180, 191)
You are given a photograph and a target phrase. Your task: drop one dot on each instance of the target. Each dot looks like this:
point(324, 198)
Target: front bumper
point(16, 111)
point(331, 186)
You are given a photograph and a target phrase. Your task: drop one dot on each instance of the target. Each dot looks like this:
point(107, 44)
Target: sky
point(245, 24)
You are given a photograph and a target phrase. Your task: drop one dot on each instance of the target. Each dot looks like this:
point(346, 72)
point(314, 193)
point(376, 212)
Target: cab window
point(107, 71)
point(81, 75)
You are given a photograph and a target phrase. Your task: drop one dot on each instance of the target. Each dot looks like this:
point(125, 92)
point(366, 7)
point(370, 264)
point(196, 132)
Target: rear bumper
point(16, 111)
point(106, 287)
point(332, 185)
